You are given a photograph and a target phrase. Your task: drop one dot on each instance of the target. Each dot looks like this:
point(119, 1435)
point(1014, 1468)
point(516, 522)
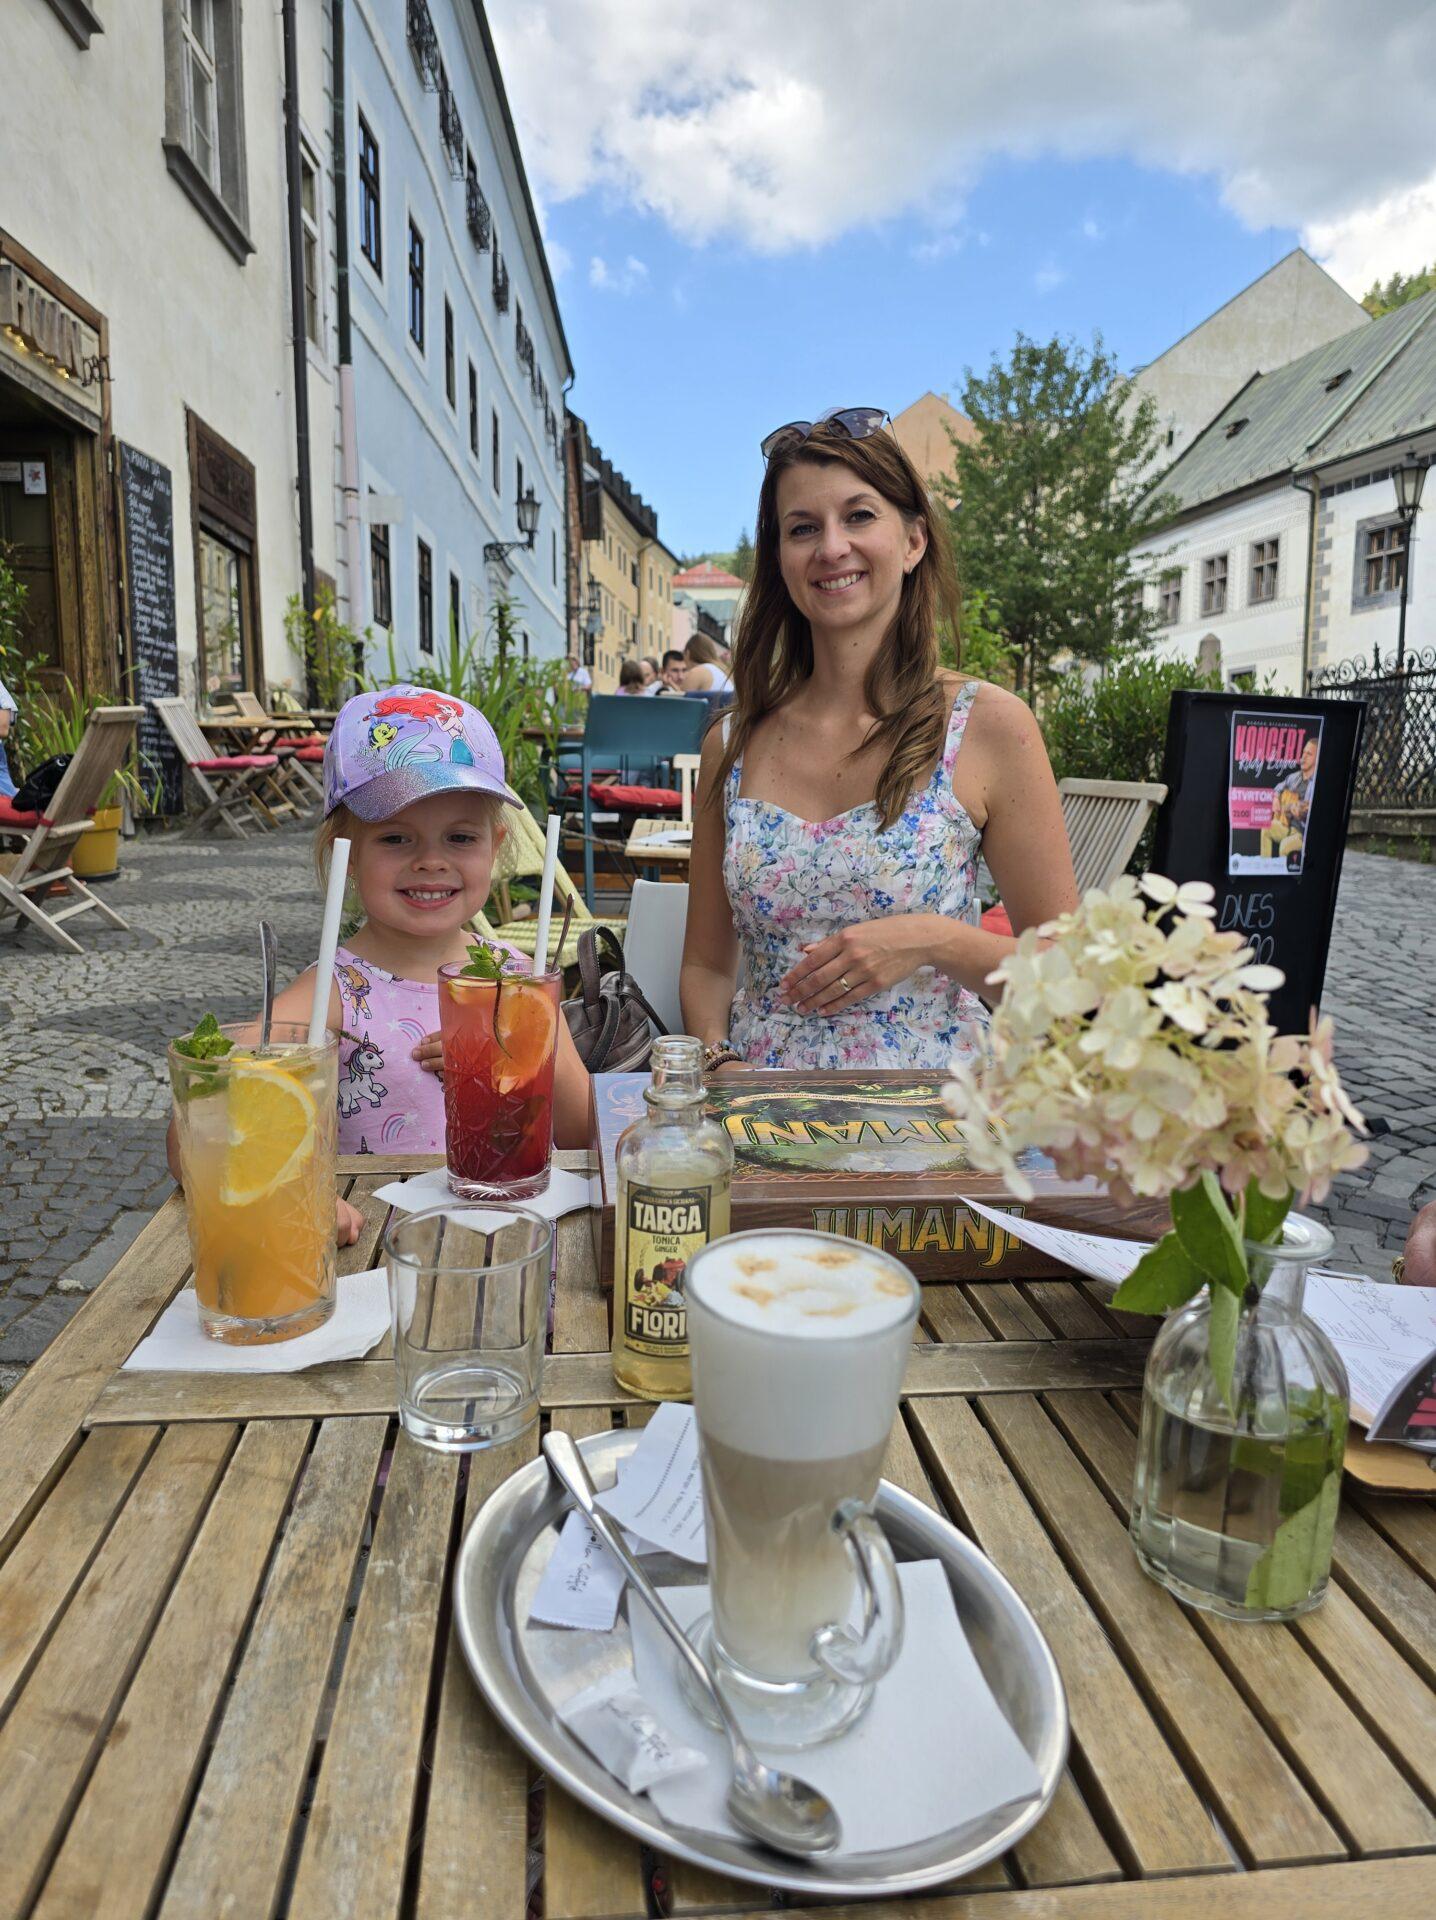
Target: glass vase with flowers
point(1132, 1044)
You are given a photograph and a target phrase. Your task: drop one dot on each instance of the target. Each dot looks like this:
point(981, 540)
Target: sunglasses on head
point(845, 423)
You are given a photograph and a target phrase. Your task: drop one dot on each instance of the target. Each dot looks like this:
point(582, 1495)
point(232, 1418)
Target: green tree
point(1055, 492)
point(743, 556)
point(1385, 297)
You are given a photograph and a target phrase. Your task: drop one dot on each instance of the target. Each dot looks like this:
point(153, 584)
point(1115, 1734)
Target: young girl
point(415, 781)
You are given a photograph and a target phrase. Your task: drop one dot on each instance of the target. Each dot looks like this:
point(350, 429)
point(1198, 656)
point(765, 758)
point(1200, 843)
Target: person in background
point(672, 671)
point(630, 677)
point(579, 675)
point(652, 674)
point(703, 669)
point(1416, 1267)
point(8, 713)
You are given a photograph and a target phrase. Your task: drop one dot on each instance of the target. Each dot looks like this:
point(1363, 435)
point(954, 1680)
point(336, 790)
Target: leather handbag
point(613, 1026)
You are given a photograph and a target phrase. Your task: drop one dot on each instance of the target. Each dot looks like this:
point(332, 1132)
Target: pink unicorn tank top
point(387, 1102)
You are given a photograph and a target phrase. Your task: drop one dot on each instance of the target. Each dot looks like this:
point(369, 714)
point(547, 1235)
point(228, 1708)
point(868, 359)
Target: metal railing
point(481, 224)
point(423, 43)
point(1397, 769)
point(451, 130)
point(501, 283)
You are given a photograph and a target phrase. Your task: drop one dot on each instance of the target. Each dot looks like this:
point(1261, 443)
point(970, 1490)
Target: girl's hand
point(347, 1224)
point(1421, 1249)
point(430, 1053)
point(836, 973)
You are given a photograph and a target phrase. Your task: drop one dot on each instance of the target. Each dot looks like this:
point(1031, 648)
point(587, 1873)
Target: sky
point(757, 211)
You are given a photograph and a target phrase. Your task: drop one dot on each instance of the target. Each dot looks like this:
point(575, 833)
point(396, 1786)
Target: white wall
point(1290, 310)
point(1266, 637)
point(84, 186)
point(1348, 625)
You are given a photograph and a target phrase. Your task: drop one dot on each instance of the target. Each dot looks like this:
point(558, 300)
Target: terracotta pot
point(96, 854)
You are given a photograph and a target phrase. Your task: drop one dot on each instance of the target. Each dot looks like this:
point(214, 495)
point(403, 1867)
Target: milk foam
point(799, 1343)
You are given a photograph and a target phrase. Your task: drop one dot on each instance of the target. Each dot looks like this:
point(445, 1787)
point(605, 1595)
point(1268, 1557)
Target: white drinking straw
point(328, 941)
point(545, 912)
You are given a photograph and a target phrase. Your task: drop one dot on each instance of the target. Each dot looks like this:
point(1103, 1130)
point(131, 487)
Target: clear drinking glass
point(257, 1141)
point(468, 1295)
point(799, 1342)
point(1234, 1506)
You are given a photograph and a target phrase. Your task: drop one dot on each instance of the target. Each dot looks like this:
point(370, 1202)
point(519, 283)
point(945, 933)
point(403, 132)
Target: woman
point(703, 670)
point(630, 678)
point(9, 714)
point(833, 911)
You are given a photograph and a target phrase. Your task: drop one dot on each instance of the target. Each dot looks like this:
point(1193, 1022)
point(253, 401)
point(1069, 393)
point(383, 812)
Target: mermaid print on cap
point(400, 744)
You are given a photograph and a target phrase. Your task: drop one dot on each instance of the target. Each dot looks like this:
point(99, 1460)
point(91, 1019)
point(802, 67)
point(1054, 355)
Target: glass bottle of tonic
point(675, 1177)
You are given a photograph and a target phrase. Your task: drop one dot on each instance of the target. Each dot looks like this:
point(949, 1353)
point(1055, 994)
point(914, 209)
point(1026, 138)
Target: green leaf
point(1300, 1552)
point(1163, 1278)
point(206, 1042)
point(1226, 1317)
point(1208, 1233)
point(484, 964)
point(1264, 1216)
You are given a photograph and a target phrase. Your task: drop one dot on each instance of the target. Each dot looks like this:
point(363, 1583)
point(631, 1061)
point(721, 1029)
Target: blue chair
point(635, 735)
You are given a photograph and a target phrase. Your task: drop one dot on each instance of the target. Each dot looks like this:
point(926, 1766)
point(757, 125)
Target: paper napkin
point(566, 1192)
point(932, 1753)
point(359, 1322)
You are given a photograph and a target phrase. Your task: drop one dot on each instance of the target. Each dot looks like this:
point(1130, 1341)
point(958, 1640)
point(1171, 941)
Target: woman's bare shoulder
point(1001, 716)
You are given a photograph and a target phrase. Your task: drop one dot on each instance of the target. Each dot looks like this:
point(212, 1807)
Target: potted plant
point(1132, 1044)
point(54, 723)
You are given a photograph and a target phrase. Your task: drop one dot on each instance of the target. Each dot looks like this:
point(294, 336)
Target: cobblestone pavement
point(84, 1097)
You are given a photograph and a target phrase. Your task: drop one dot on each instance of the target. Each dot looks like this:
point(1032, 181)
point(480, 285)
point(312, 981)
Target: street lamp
point(1409, 478)
point(528, 512)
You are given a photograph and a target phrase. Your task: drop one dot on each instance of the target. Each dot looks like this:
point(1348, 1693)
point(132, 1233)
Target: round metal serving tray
point(524, 1671)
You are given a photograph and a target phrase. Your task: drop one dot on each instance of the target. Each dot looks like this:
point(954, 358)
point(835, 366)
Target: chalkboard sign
point(147, 514)
point(1259, 791)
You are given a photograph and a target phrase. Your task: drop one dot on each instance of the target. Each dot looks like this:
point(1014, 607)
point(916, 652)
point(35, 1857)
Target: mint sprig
point(484, 964)
point(206, 1042)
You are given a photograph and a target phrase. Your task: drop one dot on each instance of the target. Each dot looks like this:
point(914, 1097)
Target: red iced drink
point(500, 1038)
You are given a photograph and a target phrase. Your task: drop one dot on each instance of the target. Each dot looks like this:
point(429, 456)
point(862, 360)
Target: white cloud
point(628, 278)
point(1397, 235)
point(743, 121)
point(1048, 276)
point(1092, 229)
point(941, 246)
point(560, 260)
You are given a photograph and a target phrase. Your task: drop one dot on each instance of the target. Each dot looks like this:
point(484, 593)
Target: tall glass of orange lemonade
point(257, 1142)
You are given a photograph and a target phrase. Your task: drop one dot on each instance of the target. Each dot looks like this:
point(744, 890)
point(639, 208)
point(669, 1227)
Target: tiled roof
point(1362, 390)
point(705, 575)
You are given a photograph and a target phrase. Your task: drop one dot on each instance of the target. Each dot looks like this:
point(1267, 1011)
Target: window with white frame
point(310, 231)
point(426, 596)
point(416, 286)
point(1169, 597)
point(1266, 565)
point(1214, 584)
point(451, 390)
point(371, 236)
point(204, 113)
point(1384, 559)
point(473, 410)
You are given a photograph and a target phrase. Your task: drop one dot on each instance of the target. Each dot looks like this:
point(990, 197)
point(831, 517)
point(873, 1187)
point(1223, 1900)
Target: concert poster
point(1271, 782)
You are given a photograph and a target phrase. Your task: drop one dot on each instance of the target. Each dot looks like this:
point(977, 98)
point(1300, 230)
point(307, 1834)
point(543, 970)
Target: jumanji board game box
point(872, 1155)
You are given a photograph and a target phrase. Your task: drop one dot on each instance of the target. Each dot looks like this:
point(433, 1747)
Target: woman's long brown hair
point(773, 649)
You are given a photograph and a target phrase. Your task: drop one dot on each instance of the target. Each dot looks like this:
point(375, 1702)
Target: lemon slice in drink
point(271, 1131)
point(524, 1028)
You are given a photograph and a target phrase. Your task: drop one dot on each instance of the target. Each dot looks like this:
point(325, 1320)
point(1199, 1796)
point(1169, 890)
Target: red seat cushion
point(11, 815)
point(312, 756)
point(300, 740)
point(235, 763)
point(995, 920)
point(636, 799)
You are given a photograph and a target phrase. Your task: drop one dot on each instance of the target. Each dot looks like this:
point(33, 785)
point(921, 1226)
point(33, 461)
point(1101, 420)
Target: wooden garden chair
point(1105, 820)
point(43, 861)
point(299, 751)
point(227, 782)
point(521, 857)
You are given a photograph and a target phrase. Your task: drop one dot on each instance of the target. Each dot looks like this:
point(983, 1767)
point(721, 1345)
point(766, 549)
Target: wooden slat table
point(229, 1685)
point(642, 851)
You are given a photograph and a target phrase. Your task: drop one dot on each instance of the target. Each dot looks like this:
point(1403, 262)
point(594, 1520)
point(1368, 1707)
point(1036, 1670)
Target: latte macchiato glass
point(799, 1342)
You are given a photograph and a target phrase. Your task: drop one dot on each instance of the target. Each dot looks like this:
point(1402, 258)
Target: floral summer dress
point(792, 881)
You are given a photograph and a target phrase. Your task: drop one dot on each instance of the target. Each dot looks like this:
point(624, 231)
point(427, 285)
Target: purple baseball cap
point(400, 744)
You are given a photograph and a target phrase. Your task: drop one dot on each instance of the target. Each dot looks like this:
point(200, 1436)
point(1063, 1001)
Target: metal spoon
point(269, 956)
point(777, 1808)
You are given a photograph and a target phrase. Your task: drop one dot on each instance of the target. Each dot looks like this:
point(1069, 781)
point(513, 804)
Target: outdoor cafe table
point(229, 1684)
point(667, 853)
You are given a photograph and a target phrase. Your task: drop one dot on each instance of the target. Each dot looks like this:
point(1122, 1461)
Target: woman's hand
point(1420, 1269)
point(348, 1222)
point(430, 1053)
point(862, 960)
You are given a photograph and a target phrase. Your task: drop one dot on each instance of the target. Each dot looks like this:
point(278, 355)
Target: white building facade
point(1286, 545)
point(458, 353)
point(147, 419)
